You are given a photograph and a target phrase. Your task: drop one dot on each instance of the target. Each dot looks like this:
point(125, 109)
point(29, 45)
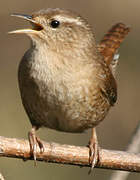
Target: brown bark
point(67, 154)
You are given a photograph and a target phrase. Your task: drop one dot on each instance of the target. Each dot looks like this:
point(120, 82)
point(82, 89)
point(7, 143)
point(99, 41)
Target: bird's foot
point(93, 150)
point(93, 154)
point(34, 141)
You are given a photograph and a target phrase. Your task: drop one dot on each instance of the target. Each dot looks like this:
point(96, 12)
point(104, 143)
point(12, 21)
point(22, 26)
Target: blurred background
point(114, 132)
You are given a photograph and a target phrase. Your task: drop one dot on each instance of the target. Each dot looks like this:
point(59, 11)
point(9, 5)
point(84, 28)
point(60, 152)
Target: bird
point(64, 80)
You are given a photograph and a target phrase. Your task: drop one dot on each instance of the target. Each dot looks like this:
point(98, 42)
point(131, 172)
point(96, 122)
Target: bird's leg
point(93, 150)
point(34, 141)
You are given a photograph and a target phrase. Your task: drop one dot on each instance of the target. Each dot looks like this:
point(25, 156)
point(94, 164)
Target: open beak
point(35, 26)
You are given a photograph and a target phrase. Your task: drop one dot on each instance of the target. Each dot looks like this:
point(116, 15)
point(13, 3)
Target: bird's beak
point(36, 27)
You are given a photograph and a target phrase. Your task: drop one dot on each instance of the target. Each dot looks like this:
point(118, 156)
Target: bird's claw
point(34, 142)
point(93, 150)
point(93, 155)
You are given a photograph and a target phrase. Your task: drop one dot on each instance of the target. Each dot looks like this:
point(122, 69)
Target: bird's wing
point(108, 88)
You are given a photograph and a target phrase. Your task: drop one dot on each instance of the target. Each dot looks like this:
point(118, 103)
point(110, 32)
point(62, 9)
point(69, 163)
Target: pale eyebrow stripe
point(68, 19)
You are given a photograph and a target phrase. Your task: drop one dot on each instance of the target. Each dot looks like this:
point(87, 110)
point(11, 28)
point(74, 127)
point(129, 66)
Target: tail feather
point(110, 43)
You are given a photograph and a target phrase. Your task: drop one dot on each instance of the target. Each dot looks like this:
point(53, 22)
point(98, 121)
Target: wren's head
point(58, 26)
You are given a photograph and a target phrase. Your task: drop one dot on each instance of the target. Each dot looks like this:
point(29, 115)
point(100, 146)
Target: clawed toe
point(34, 142)
point(93, 150)
point(40, 144)
point(93, 155)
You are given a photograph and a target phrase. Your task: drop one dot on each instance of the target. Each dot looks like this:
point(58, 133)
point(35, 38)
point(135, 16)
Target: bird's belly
point(69, 116)
point(70, 105)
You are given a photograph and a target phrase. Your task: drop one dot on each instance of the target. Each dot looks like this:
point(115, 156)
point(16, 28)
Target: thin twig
point(67, 154)
point(1, 177)
point(133, 146)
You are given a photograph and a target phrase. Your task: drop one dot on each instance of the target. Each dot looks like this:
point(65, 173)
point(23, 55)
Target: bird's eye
point(54, 23)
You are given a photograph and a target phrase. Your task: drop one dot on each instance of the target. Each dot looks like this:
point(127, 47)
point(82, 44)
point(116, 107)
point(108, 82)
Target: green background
point(114, 132)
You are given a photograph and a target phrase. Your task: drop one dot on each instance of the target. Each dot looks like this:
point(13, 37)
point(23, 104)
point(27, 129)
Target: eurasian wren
point(64, 81)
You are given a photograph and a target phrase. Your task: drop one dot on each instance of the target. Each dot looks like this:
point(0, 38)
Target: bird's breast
point(60, 99)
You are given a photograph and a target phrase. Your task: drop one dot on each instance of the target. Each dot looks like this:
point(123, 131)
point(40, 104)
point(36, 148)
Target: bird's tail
point(110, 43)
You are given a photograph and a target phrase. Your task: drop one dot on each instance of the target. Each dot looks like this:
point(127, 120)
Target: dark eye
point(54, 23)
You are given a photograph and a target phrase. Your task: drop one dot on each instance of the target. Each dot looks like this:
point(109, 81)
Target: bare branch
point(133, 146)
point(68, 154)
point(1, 177)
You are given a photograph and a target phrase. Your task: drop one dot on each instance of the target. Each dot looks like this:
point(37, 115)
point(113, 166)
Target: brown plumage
point(65, 83)
point(112, 40)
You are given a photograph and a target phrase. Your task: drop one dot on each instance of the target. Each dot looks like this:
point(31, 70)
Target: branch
point(67, 154)
point(133, 146)
point(1, 177)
